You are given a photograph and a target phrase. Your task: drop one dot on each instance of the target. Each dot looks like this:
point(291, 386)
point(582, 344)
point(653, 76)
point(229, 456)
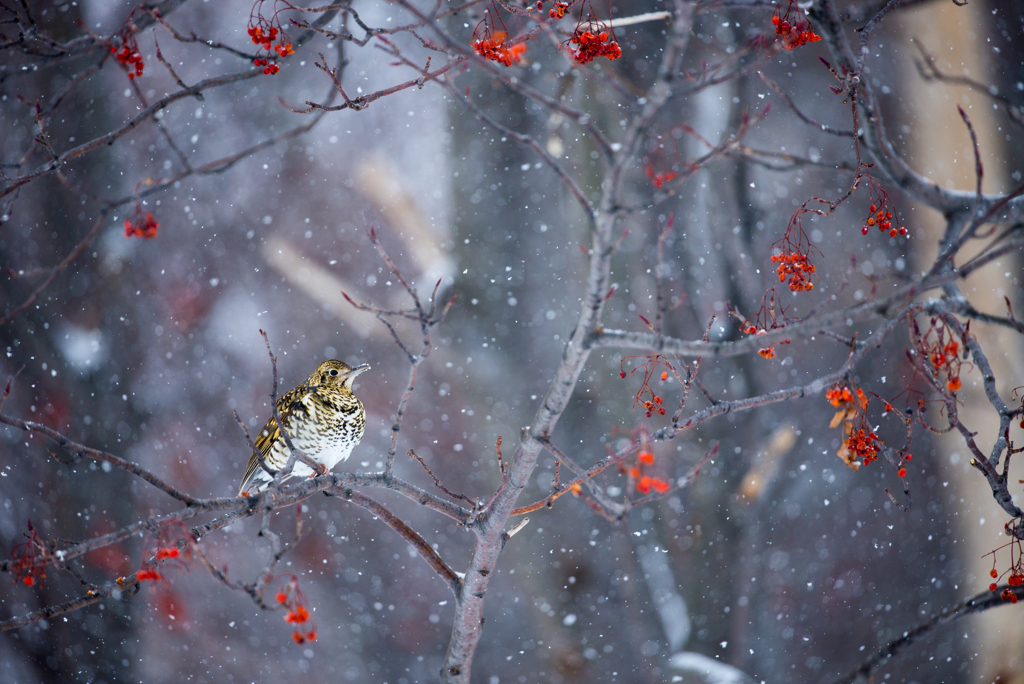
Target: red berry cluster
point(269, 68)
point(590, 46)
point(148, 573)
point(859, 440)
point(141, 225)
point(652, 406)
point(864, 444)
point(765, 352)
point(1014, 580)
point(650, 365)
point(170, 543)
point(659, 179)
point(793, 32)
point(30, 559)
point(292, 598)
point(941, 351)
point(880, 212)
point(792, 253)
point(840, 395)
point(645, 483)
point(497, 49)
point(946, 360)
point(1016, 570)
point(128, 54)
point(556, 12)
point(264, 32)
point(765, 320)
point(263, 37)
point(883, 219)
point(130, 59)
point(797, 267)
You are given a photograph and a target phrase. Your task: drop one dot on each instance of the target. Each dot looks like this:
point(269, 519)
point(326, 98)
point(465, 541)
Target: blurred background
point(779, 560)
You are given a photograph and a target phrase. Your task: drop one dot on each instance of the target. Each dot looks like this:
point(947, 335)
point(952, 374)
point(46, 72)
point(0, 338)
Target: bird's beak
point(357, 370)
point(350, 377)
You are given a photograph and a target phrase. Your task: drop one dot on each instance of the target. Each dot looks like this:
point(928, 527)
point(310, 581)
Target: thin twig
point(437, 482)
point(425, 550)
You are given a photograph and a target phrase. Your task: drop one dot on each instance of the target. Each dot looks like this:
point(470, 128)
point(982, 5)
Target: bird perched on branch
point(323, 419)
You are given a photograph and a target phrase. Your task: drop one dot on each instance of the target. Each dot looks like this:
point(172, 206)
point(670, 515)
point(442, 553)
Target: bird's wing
point(287, 406)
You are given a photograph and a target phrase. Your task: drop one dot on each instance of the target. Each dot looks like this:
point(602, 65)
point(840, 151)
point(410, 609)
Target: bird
point(323, 419)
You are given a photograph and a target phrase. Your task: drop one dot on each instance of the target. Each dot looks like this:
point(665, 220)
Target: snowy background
point(144, 348)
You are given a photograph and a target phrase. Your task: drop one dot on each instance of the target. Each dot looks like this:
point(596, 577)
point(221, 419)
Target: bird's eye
point(334, 372)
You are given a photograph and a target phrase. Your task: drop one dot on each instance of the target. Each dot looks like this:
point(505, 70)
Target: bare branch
point(973, 605)
point(425, 550)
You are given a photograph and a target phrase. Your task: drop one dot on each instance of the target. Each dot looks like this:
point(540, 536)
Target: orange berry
point(299, 615)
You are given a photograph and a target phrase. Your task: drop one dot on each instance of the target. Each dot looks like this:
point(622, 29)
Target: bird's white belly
point(330, 449)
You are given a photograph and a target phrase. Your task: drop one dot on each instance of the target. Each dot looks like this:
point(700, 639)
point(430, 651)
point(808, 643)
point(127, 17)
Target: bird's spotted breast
point(322, 419)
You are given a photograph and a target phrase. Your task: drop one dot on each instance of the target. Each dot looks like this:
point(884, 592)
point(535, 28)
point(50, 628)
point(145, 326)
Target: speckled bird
point(323, 418)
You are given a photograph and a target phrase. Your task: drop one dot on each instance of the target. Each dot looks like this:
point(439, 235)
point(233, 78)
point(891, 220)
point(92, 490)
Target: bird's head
point(336, 373)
